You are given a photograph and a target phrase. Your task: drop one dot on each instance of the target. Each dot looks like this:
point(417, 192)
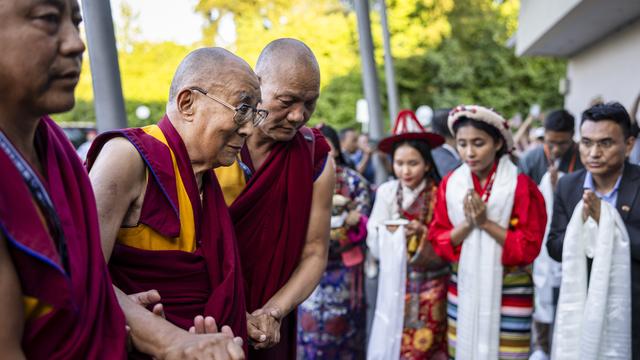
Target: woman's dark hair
point(331, 135)
point(481, 125)
point(425, 151)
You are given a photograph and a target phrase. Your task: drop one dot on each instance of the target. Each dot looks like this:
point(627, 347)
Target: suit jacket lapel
point(576, 192)
point(628, 190)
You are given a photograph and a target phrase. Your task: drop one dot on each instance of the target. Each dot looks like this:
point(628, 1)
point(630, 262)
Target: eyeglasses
point(243, 113)
point(602, 144)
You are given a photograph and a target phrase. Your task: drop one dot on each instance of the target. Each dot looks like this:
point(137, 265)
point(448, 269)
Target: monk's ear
point(185, 103)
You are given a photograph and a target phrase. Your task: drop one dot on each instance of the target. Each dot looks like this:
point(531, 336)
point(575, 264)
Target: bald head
point(208, 90)
point(286, 57)
point(207, 67)
point(290, 87)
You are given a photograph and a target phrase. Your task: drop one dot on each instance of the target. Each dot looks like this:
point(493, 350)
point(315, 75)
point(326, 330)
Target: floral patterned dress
point(331, 322)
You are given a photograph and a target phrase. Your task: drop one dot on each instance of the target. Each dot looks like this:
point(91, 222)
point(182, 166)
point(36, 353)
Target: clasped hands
point(263, 326)
point(591, 206)
point(475, 210)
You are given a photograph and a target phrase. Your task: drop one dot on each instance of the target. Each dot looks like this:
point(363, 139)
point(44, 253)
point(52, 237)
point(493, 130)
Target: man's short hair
point(343, 132)
point(439, 123)
point(560, 121)
point(612, 111)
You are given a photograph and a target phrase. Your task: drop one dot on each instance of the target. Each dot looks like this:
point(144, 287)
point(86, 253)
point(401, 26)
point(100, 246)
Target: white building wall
point(537, 17)
point(609, 69)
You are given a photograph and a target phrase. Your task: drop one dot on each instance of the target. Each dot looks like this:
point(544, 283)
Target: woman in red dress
point(489, 222)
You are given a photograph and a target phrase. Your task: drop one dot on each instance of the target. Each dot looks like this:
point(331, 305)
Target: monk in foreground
point(164, 224)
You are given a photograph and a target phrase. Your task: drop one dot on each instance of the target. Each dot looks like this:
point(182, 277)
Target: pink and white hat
point(481, 113)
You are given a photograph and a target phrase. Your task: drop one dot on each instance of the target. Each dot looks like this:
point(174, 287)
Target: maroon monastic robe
point(207, 281)
point(271, 217)
point(83, 320)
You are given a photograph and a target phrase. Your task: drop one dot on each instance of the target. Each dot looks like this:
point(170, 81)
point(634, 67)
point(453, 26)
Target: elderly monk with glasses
point(163, 220)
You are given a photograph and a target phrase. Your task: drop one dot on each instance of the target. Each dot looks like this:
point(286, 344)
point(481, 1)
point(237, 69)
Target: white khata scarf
point(546, 271)
point(386, 331)
point(480, 267)
point(594, 321)
point(390, 248)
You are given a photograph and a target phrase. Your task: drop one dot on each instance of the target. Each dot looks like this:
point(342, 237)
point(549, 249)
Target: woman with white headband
point(489, 221)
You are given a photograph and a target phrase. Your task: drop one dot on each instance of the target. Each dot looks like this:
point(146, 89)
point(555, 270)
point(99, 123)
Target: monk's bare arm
point(11, 311)
point(118, 179)
point(314, 254)
point(155, 336)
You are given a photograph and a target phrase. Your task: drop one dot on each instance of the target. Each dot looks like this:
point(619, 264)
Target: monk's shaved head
point(206, 67)
point(286, 56)
point(290, 85)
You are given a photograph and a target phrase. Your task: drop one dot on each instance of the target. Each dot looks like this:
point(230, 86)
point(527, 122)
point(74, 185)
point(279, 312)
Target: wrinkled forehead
point(17, 6)
point(294, 77)
point(241, 86)
point(293, 90)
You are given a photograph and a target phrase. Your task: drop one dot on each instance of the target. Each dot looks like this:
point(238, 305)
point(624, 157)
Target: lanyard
point(40, 194)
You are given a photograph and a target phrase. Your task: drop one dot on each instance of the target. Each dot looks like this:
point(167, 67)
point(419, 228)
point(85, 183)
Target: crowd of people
point(478, 254)
point(230, 230)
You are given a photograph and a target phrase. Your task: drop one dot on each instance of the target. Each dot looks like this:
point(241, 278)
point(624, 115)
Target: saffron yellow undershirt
point(144, 237)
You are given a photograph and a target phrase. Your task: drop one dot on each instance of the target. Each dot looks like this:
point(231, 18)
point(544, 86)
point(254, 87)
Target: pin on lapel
point(626, 208)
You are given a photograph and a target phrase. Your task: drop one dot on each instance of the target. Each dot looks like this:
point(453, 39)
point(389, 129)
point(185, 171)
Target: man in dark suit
point(606, 142)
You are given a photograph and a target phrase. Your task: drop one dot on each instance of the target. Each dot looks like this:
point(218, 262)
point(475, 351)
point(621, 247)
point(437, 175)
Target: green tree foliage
point(146, 70)
point(324, 25)
point(446, 53)
point(329, 28)
point(473, 65)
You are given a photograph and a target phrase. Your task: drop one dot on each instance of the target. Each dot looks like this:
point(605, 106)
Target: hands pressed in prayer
point(553, 175)
point(264, 327)
point(460, 232)
point(475, 212)
point(475, 209)
point(591, 206)
point(466, 207)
